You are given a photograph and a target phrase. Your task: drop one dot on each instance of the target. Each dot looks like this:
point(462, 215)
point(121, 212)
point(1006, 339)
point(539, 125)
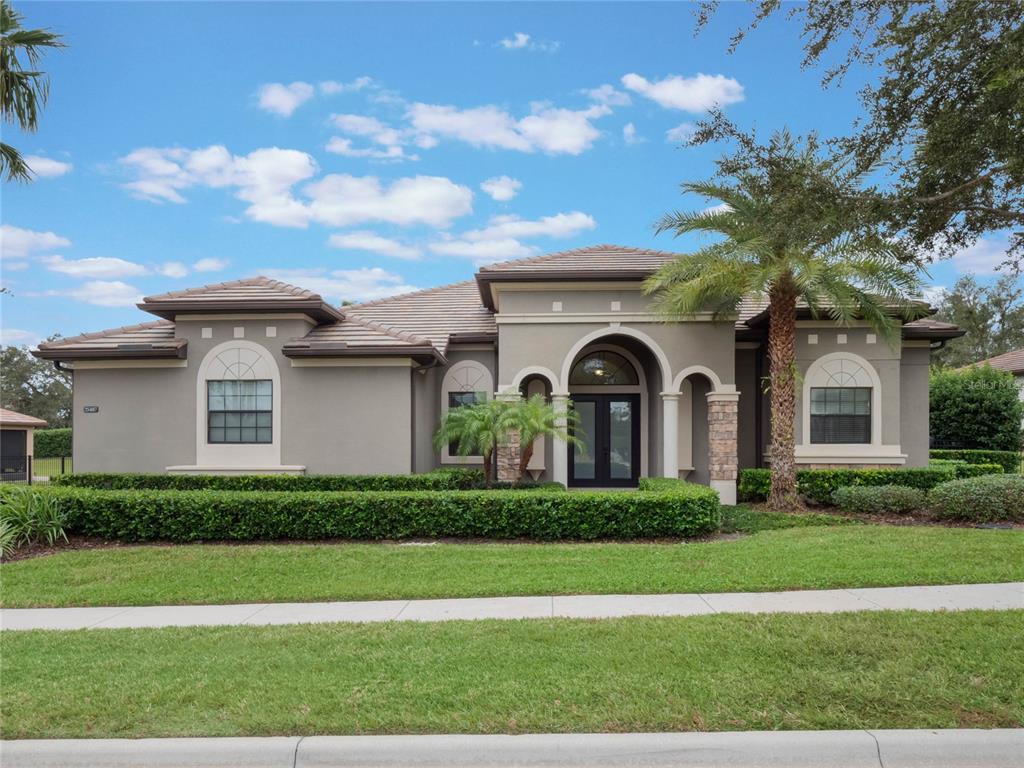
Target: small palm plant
point(534, 418)
point(790, 229)
point(475, 430)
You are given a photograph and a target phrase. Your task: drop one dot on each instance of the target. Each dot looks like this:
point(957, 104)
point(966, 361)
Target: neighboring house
point(1012, 362)
point(16, 449)
point(259, 376)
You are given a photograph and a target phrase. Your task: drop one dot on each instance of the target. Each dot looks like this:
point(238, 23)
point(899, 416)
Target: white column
point(670, 434)
point(560, 459)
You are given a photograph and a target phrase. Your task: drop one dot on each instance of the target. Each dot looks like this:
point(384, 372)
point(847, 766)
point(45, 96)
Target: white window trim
point(454, 378)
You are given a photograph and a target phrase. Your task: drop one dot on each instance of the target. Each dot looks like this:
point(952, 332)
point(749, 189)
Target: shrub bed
point(990, 498)
point(879, 499)
point(438, 480)
point(819, 485)
point(1008, 460)
point(671, 509)
point(50, 443)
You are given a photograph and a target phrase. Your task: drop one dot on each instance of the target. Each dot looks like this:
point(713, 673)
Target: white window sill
point(191, 469)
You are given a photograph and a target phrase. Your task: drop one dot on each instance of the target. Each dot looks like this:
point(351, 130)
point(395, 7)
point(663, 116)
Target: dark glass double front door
point(609, 427)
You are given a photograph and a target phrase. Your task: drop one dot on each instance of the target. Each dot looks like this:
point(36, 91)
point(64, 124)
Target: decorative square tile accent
point(556, 306)
point(871, 338)
point(239, 332)
point(271, 331)
point(616, 306)
point(207, 333)
point(812, 338)
point(840, 338)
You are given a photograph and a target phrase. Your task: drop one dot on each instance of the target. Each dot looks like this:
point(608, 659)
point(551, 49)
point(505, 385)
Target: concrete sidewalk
point(957, 597)
point(746, 749)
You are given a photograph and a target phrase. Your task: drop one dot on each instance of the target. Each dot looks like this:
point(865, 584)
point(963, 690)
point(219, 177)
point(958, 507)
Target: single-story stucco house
point(17, 431)
point(256, 376)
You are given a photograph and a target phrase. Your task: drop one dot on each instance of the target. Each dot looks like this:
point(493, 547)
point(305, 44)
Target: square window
point(240, 411)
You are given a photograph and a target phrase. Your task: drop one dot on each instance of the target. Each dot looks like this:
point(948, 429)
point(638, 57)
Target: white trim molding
point(98, 365)
point(353, 362)
point(703, 370)
point(465, 376)
point(533, 370)
point(616, 330)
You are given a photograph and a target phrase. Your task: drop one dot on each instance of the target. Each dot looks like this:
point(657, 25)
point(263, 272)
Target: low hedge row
point(993, 498)
point(819, 485)
point(660, 510)
point(1008, 460)
point(50, 443)
point(880, 499)
point(438, 480)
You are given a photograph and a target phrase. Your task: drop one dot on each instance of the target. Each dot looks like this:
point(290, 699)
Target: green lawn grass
point(812, 557)
point(879, 670)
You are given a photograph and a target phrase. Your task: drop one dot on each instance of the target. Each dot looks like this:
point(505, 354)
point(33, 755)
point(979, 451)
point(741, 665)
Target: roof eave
point(170, 309)
point(486, 278)
point(178, 352)
point(421, 354)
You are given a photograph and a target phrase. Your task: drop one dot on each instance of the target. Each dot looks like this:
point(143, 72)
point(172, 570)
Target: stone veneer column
point(670, 434)
point(559, 449)
point(507, 463)
point(723, 462)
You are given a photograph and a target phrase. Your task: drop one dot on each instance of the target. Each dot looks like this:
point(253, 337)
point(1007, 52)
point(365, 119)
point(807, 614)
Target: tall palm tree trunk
point(782, 378)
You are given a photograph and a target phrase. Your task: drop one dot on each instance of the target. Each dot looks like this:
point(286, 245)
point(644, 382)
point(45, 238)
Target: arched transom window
point(603, 367)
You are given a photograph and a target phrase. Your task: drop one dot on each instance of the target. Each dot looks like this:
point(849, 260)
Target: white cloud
point(373, 243)
point(284, 99)
point(502, 188)
point(690, 94)
point(47, 167)
point(364, 284)
point(483, 251)
point(521, 41)
point(331, 87)
point(609, 95)
point(391, 139)
point(18, 243)
point(559, 225)
point(210, 265)
point(681, 134)
point(172, 269)
point(16, 337)
point(344, 200)
point(344, 147)
point(629, 134)
point(934, 294)
point(983, 257)
point(103, 267)
point(547, 129)
point(104, 293)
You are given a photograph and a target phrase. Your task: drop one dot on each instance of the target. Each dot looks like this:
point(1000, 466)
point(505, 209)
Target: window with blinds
point(840, 414)
point(239, 411)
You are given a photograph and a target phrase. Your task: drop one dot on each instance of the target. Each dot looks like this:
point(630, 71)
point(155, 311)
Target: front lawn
point(879, 670)
point(810, 557)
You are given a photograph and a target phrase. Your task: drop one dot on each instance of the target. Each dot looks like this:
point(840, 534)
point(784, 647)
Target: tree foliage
point(23, 87)
point(945, 117)
point(992, 315)
point(34, 387)
point(791, 227)
point(978, 407)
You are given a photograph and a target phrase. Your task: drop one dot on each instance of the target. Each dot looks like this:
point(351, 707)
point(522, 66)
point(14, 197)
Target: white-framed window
point(841, 401)
point(239, 410)
point(464, 383)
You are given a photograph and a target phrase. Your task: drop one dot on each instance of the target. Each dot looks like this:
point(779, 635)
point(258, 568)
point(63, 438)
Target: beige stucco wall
point(914, 404)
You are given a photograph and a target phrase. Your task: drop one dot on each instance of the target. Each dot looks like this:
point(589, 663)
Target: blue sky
point(363, 150)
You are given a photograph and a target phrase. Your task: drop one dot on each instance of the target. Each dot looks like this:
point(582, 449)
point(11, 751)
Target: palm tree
point(475, 430)
point(535, 417)
point(790, 230)
point(23, 92)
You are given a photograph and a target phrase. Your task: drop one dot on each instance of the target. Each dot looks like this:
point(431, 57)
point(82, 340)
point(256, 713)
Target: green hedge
point(820, 485)
point(980, 499)
point(879, 499)
point(48, 443)
point(676, 510)
point(438, 480)
point(1009, 460)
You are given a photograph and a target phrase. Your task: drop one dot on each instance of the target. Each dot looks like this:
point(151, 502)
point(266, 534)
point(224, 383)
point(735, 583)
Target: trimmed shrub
point(1008, 460)
point(879, 499)
point(819, 485)
point(978, 407)
point(438, 480)
point(980, 499)
point(976, 470)
point(676, 510)
point(50, 443)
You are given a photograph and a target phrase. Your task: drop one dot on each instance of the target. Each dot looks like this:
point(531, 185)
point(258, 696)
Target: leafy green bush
point(980, 499)
point(29, 516)
point(438, 480)
point(819, 485)
point(978, 407)
point(1008, 460)
point(48, 443)
point(677, 510)
point(976, 470)
point(879, 499)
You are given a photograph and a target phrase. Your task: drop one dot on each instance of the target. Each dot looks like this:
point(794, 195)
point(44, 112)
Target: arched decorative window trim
point(827, 371)
point(625, 367)
point(215, 366)
point(464, 376)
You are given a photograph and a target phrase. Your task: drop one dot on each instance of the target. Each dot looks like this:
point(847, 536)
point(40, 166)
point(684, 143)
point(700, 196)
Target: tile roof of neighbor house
point(14, 419)
point(254, 294)
point(1012, 361)
point(419, 324)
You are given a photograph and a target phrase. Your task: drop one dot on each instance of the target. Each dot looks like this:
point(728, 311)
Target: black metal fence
point(28, 469)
